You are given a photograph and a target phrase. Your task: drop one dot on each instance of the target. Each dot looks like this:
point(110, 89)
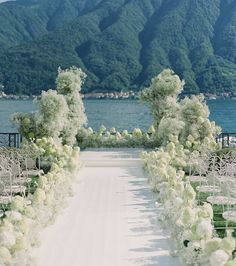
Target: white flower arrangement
point(204, 229)
point(181, 129)
point(219, 258)
point(18, 204)
point(20, 227)
point(13, 216)
point(231, 263)
point(192, 226)
point(89, 138)
point(39, 197)
point(60, 113)
point(5, 256)
point(7, 238)
point(188, 216)
point(186, 136)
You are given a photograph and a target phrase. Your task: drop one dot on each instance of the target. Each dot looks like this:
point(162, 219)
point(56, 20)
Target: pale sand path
point(111, 220)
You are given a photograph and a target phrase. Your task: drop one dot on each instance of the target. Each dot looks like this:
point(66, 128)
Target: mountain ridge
point(27, 20)
point(122, 44)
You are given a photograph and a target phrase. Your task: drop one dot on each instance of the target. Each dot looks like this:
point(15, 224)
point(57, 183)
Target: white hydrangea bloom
point(231, 263)
point(188, 216)
point(5, 256)
point(212, 245)
point(52, 115)
point(7, 238)
point(39, 196)
point(219, 258)
point(169, 127)
point(102, 129)
point(18, 203)
point(228, 244)
point(204, 229)
point(14, 216)
point(20, 244)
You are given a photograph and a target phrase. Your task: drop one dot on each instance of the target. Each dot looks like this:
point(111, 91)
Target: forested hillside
point(25, 20)
point(120, 44)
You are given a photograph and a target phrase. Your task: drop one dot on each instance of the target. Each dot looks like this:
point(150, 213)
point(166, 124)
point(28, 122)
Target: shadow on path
point(145, 223)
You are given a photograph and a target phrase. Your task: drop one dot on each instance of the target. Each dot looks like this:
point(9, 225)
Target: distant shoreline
point(130, 95)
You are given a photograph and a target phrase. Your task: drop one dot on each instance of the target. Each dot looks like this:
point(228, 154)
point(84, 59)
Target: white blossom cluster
point(186, 220)
point(185, 135)
point(60, 113)
point(87, 137)
point(187, 118)
point(53, 128)
point(162, 95)
point(20, 226)
point(69, 84)
point(52, 114)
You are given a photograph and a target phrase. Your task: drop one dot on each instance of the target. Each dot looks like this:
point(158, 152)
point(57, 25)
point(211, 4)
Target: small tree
point(60, 113)
point(162, 95)
point(52, 115)
point(198, 131)
point(26, 125)
point(69, 84)
point(188, 119)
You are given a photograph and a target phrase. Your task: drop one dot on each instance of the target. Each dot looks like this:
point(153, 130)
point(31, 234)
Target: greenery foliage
point(27, 20)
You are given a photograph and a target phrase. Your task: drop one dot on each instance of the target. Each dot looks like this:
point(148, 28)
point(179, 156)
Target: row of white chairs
point(216, 179)
point(17, 166)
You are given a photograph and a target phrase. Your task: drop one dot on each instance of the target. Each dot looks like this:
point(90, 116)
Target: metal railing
point(227, 140)
point(12, 140)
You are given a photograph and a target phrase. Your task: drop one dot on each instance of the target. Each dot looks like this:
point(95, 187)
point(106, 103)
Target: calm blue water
point(123, 114)
point(223, 112)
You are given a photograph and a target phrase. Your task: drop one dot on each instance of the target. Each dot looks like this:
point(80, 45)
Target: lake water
point(122, 114)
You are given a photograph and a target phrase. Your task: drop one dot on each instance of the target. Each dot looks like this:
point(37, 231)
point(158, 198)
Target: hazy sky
point(1, 1)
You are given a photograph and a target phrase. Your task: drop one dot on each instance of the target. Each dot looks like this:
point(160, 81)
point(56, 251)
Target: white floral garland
point(21, 225)
point(190, 225)
point(115, 139)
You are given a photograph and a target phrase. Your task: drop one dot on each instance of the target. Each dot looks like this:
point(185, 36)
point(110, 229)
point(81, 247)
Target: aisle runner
point(111, 220)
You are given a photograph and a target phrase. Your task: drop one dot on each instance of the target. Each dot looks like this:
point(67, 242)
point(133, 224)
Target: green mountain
point(120, 44)
point(27, 20)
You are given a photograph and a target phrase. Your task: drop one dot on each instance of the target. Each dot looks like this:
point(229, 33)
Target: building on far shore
point(116, 95)
point(111, 95)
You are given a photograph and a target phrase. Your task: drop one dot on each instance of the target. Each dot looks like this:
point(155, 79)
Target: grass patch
point(220, 224)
